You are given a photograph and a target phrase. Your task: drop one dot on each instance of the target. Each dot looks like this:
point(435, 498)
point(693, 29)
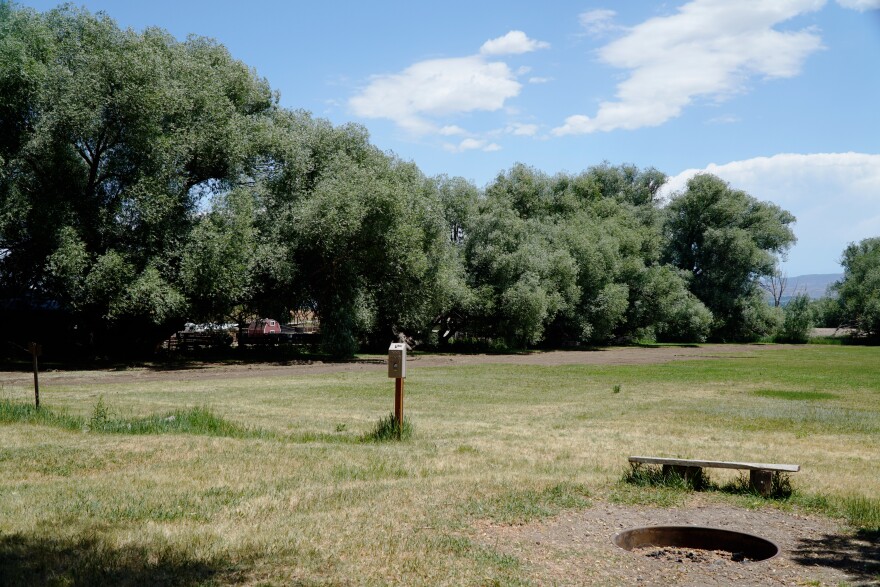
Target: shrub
point(798, 320)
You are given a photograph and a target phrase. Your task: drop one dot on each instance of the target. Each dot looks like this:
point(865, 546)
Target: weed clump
point(862, 512)
point(387, 429)
point(780, 486)
point(197, 420)
point(641, 476)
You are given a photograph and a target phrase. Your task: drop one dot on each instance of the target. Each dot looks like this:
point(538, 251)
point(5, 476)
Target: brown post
point(398, 404)
point(35, 352)
point(761, 481)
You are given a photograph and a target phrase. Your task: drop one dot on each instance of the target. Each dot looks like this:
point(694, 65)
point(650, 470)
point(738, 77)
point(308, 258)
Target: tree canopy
point(859, 290)
point(113, 141)
point(146, 181)
point(727, 240)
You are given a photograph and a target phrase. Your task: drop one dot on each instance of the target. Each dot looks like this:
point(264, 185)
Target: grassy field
point(271, 480)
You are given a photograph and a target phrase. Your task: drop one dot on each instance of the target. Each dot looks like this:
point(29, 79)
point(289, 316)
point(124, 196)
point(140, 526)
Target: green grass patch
point(795, 395)
point(519, 507)
point(197, 420)
point(15, 412)
point(387, 429)
point(647, 476)
point(861, 511)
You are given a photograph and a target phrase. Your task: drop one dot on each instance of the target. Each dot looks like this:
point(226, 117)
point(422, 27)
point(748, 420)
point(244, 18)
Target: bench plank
point(716, 464)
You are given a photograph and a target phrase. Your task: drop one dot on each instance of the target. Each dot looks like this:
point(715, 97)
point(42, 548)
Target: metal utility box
point(397, 360)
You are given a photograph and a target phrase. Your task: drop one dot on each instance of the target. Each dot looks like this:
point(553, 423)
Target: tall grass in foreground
point(387, 429)
point(861, 511)
point(196, 420)
point(14, 412)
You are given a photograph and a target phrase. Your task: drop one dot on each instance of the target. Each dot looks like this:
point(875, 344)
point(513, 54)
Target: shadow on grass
point(857, 555)
point(26, 560)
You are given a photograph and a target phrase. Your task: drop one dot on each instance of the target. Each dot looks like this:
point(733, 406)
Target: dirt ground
point(576, 548)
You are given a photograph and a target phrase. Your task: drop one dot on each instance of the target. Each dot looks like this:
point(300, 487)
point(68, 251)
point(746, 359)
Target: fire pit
point(694, 542)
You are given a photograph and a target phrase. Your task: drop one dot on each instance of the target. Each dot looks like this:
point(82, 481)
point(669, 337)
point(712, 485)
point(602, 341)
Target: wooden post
point(36, 350)
point(761, 481)
point(398, 405)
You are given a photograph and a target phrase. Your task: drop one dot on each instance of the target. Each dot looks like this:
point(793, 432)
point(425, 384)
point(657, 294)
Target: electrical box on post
point(397, 360)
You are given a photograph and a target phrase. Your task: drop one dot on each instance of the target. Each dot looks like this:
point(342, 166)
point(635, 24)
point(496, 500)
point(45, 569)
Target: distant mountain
point(815, 285)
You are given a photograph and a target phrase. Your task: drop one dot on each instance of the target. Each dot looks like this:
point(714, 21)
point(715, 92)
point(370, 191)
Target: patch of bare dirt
point(576, 548)
point(208, 371)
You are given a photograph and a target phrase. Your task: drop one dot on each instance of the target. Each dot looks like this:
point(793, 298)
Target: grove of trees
point(858, 302)
point(146, 182)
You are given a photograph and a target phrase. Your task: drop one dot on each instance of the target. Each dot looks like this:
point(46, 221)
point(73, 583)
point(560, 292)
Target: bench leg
point(693, 475)
point(761, 481)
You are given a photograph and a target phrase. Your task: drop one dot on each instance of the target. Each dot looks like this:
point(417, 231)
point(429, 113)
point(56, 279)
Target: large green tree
point(356, 235)
point(114, 144)
point(726, 240)
point(575, 258)
point(859, 290)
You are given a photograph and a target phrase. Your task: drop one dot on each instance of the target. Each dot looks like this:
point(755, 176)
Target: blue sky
point(780, 98)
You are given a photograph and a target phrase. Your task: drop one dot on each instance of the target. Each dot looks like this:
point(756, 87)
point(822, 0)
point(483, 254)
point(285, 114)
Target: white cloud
point(472, 144)
point(436, 87)
point(427, 90)
point(835, 197)
point(598, 22)
point(524, 130)
point(451, 129)
point(860, 5)
point(724, 119)
point(540, 80)
point(513, 43)
point(709, 48)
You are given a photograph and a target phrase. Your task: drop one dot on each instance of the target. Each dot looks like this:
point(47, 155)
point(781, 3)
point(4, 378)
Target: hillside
point(814, 285)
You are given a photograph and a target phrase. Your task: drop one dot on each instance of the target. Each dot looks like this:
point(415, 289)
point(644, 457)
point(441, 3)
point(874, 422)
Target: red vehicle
point(263, 326)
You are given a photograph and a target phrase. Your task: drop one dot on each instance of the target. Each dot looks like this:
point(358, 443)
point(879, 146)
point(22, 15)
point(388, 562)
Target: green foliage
point(362, 231)
point(726, 240)
point(827, 312)
point(100, 415)
point(15, 412)
point(859, 291)
point(387, 429)
point(795, 395)
point(199, 420)
point(115, 141)
point(145, 182)
point(862, 511)
point(649, 476)
point(798, 322)
point(217, 264)
point(575, 258)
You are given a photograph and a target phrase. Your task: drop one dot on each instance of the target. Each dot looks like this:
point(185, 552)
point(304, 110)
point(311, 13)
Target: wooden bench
point(760, 474)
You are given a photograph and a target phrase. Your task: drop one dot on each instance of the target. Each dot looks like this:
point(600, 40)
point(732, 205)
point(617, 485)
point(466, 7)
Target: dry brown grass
point(310, 503)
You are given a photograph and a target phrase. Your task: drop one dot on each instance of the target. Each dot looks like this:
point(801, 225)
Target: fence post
point(36, 351)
